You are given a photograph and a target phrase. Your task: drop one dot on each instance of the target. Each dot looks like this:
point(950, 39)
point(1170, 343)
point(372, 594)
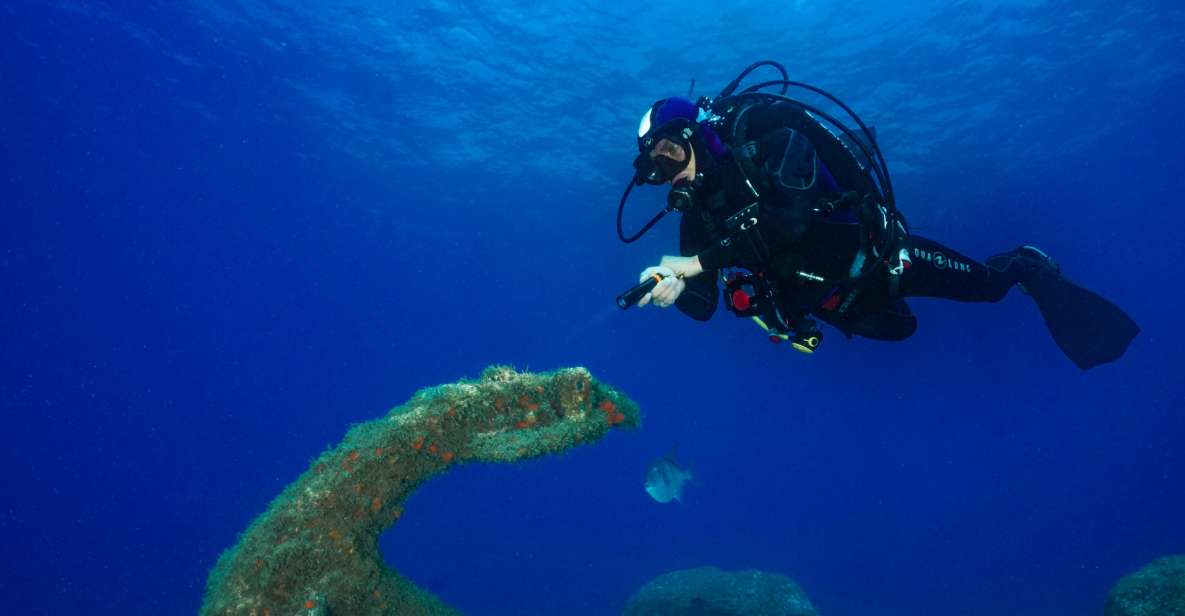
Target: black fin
point(1089, 328)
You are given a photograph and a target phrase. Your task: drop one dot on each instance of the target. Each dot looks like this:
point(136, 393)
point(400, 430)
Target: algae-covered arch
point(315, 550)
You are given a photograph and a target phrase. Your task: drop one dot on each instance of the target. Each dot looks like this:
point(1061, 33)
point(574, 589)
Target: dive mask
point(662, 152)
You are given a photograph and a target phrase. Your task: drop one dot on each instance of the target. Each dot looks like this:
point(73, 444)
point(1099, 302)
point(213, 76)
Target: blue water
point(233, 228)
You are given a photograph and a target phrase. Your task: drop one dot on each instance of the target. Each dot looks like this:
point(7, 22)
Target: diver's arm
point(701, 296)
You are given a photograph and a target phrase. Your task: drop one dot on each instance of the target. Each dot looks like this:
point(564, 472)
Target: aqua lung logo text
point(941, 261)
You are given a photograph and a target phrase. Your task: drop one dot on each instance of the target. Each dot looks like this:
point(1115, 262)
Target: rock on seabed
point(708, 590)
point(1156, 590)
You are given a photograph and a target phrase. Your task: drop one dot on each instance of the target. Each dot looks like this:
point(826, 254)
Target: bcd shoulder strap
point(747, 153)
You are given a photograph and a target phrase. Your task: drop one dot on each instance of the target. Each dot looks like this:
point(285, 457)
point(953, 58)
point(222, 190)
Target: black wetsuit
point(802, 167)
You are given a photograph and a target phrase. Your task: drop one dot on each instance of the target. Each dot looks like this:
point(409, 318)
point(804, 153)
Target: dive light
point(631, 297)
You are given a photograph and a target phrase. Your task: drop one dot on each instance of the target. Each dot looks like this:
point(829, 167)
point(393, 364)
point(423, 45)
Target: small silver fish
point(665, 479)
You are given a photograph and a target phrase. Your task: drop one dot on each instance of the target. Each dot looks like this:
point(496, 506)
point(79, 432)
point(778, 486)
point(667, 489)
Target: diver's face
point(673, 156)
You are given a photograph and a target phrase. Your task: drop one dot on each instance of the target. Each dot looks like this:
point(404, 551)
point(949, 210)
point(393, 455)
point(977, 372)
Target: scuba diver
point(798, 222)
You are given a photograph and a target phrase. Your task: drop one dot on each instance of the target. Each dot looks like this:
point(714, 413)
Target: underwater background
point(231, 229)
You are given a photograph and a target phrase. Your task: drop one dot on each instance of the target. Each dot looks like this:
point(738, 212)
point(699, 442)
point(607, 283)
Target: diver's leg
point(1089, 329)
point(937, 271)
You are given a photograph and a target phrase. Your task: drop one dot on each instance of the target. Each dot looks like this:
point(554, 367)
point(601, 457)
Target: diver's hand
point(666, 291)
